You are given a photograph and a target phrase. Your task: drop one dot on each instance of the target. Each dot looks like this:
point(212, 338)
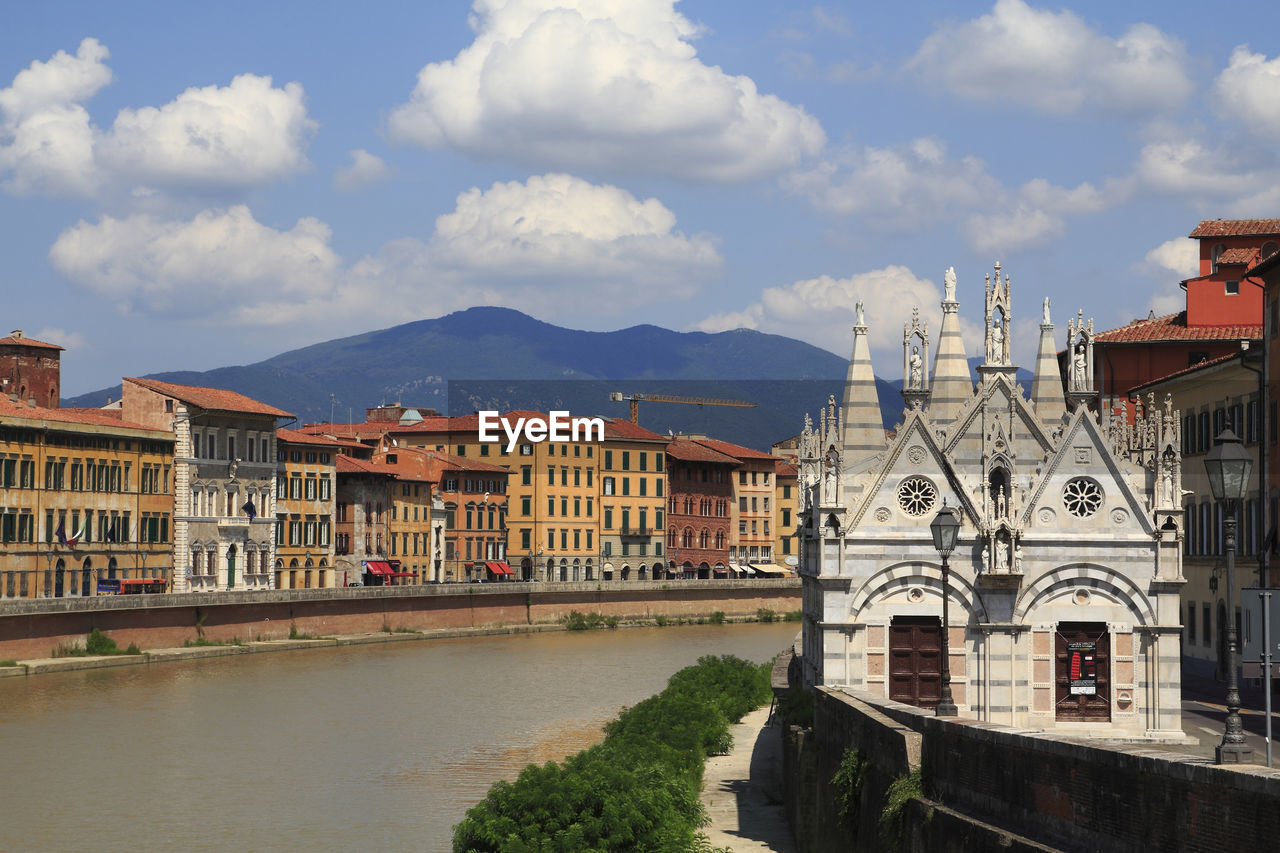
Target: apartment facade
point(632, 500)
point(306, 497)
point(699, 509)
point(753, 514)
point(224, 481)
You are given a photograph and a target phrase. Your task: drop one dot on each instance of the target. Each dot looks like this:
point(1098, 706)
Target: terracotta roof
point(737, 451)
point(1237, 256)
point(690, 450)
point(87, 417)
point(1199, 365)
point(216, 399)
point(24, 341)
point(293, 436)
point(625, 429)
point(786, 469)
point(351, 465)
point(1236, 227)
point(1173, 327)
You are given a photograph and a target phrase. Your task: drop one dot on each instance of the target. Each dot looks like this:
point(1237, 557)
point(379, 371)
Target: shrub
point(133, 649)
point(764, 614)
point(8, 663)
point(611, 622)
point(717, 618)
point(639, 788)
point(661, 621)
point(894, 815)
point(847, 784)
point(792, 616)
point(100, 644)
point(795, 707)
point(295, 634)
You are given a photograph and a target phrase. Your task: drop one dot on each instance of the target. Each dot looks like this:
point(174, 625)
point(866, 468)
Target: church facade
point(1063, 592)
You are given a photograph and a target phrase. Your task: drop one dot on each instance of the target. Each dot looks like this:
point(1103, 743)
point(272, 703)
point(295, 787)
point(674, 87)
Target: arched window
point(671, 537)
point(703, 538)
point(687, 538)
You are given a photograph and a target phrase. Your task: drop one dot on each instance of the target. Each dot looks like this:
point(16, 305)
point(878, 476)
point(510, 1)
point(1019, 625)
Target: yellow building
point(306, 476)
point(786, 501)
point(86, 501)
point(632, 500)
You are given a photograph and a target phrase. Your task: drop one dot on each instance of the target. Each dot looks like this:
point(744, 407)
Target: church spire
point(860, 418)
point(952, 384)
point(1046, 387)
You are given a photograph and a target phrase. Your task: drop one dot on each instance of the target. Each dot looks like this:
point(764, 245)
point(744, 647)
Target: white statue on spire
point(1044, 316)
point(949, 285)
point(862, 320)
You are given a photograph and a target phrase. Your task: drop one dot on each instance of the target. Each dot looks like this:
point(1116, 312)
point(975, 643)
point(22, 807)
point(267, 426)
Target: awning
point(378, 567)
point(400, 574)
point(498, 568)
point(746, 570)
point(770, 570)
point(720, 570)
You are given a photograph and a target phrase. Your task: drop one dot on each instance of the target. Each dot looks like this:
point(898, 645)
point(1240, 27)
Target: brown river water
point(380, 747)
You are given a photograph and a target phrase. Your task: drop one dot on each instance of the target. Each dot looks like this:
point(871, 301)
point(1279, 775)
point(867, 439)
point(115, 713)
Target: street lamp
point(1227, 465)
point(945, 528)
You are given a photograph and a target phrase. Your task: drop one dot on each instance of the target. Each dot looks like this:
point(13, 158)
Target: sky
point(192, 186)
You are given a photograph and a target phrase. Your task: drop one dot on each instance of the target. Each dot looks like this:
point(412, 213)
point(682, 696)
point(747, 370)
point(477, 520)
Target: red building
point(699, 509)
point(29, 369)
point(1223, 309)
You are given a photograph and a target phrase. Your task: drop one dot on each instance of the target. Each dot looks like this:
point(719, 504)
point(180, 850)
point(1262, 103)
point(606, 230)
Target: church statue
point(1017, 558)
point(995, 347)
point(949, 285)
point(1002, 557)
point(917, 376)
point(861, 317)
point(829, 479)
point(1044, 313)
point(986, 558)
point(1079, 370)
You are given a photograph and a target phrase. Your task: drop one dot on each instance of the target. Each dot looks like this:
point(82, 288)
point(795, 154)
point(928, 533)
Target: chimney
point(16, 334)
point(31, 402)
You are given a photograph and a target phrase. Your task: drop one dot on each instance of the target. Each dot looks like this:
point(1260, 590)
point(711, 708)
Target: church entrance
point(915, 660)
point(1083, 671)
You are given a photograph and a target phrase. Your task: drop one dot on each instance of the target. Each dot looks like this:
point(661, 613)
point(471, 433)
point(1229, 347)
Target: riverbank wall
point(33, 628)
point(924, 783)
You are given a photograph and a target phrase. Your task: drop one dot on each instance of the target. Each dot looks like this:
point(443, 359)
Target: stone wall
point(31, 628)
point(989, 787)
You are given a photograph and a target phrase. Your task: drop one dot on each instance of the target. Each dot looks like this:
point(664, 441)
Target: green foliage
point(8, 663)
point(133, 649)
point(717, 618)
point(661, 621)
point(764, 614)
point(201, 641)
point(639, 788)
point(792, 616)
point(295, 634)
point(847, 784)
point(576, 621)
point(893, 818)
point(100, 644)
point(611, 622)
point(401, 629)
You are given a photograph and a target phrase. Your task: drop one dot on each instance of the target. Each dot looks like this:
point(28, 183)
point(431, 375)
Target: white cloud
point(596, 85)
point(221, 267)
point(1179, 256)
point(62, 337)
point(365, 170)
point(1186, 166)
point(917, 183)
point(1248, 91)
point(555, 238)
point(1056, 63)
point(208, 139)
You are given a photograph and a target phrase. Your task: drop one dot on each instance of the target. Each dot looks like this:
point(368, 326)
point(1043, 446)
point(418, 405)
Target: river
point(378, 747)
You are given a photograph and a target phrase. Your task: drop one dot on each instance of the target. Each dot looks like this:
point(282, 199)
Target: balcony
point(638, 531)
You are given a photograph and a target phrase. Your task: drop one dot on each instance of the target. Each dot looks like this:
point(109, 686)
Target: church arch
point(897, 578)
point(1085, 576)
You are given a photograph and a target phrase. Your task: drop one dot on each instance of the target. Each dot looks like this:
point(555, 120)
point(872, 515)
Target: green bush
point(795, 707)
point(100, 644)
point(661, 621)
point(133, 649)
point(611, 622)
point(717, 618)
point(792, 616)
point(639, 788)
point(8, 663)
point(893, 817)
point(764, 614)
point(576, 621)
point(847, 784)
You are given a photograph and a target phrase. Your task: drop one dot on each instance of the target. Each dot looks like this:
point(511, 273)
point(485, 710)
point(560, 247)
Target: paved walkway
point(742, 791)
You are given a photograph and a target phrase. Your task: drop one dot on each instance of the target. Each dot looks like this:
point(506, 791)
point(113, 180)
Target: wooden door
point(915, 660)
point(1082, 671)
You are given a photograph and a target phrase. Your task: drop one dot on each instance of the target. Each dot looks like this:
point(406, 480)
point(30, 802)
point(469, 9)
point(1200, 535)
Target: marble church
point(1063, 592)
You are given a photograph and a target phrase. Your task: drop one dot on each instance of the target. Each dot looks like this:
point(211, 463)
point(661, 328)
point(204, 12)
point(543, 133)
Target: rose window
point(1082, 497)
point(917, 496)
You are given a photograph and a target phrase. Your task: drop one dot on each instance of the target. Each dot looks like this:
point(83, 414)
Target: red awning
point(498, 568)
point(400, 575)
point(378, 567)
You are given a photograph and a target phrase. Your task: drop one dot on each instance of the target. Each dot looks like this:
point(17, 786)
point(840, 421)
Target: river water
point(379, 747)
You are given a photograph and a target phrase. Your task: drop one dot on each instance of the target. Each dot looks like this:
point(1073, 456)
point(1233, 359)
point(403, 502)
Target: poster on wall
point(1082, 669)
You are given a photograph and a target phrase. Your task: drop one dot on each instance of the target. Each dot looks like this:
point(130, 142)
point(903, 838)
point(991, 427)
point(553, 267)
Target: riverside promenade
point(742, 791)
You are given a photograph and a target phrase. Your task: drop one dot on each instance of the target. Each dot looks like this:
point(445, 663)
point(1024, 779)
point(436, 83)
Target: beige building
point(224, 481)
point(632, 501)
point(753, 509)
point(1214, 395)
point(786, 547)
point(306, 478)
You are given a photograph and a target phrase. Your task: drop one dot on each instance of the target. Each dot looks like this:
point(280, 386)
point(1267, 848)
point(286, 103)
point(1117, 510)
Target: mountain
point(500, 358)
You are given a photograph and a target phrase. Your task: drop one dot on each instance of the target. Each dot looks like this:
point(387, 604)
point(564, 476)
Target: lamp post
point(945, 528)
point(1227, 465)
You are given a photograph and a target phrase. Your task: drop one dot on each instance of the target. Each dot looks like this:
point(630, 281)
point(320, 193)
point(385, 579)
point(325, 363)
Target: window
point(1251, 425)
point(1232, 288)
point(608, 459)
point(1207, 624)
point(626, 485)
point(551, 475)
point(606, 484)
point(526, 450)
point(524, 538)
point(526, 506)
point(742, 477)
point(526, 475)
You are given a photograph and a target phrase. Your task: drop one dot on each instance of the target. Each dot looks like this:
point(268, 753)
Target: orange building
point(306, 477)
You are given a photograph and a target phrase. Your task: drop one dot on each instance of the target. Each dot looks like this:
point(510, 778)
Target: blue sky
point(186, 187)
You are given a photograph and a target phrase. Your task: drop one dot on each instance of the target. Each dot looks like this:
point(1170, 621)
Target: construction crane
point(634, 400)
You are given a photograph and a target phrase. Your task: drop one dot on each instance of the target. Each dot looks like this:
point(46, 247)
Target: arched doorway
point(280, 574)
point(111, 568)
point(231, 566)
point(551, 570)
point(306, 576)
point(322, 579)
point(59, 579)
point(626, 573)
point(86, 575)
point(564, 569)
point(577, 569)
point(526, 569)
point(590, 570)
point(293, 573)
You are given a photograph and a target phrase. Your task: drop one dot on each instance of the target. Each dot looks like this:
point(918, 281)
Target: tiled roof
point(24, 341)
point(351, 465)
point(1173, 327)
point(1199, 365)
point(690, 450)
point(87, 417)
point(786, 469)
point(414, 464)
point(293, 436)
point(1236, 227)
point(625, 429)
point(1237, 256)
point(737, 451)
point(215, 399)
